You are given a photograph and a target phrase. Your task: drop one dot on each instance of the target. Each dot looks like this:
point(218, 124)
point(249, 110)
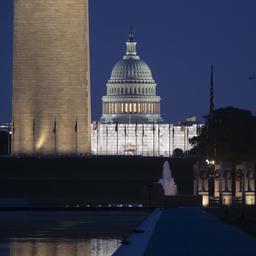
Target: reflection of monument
point(51, 81)
point(93, 247)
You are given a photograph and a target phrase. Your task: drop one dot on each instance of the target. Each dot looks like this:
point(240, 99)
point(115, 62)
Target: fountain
point(167, 181)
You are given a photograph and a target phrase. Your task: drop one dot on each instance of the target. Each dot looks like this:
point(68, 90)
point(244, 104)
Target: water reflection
point(66, 233)
point(93, 247)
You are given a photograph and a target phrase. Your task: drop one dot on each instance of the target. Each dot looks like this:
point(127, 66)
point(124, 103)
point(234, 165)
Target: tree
point(229, 135)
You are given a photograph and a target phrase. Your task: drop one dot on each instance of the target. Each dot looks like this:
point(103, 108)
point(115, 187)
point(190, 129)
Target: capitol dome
point(131, 70)
point(131, 91)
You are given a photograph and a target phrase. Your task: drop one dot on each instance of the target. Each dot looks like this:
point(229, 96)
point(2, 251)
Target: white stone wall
point(141, 139)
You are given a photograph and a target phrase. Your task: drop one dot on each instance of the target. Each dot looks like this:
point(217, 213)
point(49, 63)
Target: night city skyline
point(127, 127)
point(179, 40)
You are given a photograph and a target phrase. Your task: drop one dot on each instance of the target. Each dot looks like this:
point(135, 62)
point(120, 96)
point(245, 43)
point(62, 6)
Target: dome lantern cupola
point(131, 46)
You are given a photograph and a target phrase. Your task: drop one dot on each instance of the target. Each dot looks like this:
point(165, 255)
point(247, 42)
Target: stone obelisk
point(51, 77)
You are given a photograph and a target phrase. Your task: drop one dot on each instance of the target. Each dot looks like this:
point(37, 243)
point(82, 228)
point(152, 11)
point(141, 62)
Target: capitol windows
point(130, 107)
point(149, 108)
point(126, 107)
point(138, 107)
point(108, 108)
point(122, 107)
point(135, 107)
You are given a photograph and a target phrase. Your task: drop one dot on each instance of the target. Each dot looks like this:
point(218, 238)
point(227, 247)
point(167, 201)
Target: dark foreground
point(193, 231)
point(93, 180)
point(70, 233)
point(243, 217)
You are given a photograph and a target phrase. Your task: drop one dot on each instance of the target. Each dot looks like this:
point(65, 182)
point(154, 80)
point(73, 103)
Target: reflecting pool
point(80, 233)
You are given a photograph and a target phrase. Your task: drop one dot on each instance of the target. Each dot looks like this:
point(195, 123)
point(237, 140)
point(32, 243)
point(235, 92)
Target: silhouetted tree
point(229, 135)
point(178, 152)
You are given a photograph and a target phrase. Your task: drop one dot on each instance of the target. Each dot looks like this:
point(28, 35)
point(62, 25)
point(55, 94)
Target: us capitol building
point(131, 122)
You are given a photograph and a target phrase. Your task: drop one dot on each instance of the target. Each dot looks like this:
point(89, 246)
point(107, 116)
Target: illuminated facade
point(51, 81)
point(131, 91)
point(131, 119)
point(142, 139)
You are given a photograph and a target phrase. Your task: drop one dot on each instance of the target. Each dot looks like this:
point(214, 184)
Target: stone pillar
point(239, 183)
point(216, 182)
point(201, 182)
point(249, 182)
point(226, 182)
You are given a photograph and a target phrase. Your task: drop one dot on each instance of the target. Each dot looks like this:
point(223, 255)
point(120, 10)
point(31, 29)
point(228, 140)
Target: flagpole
point(142, 140)
point(158, 140)
point(187, 140)
point(106, 139)
point(55, 137)
point(13, 133)
point(76, 137)
point(184, 140)
point(169, 140)
point(136, 151)
point(33, 136)
point(116, 128)
point(117, 142)
point(124, 138)
point(173, 130)
point(153, 139)
point(97, 139)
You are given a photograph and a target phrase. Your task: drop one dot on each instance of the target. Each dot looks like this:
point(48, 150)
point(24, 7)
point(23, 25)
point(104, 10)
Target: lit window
point(130, 107)
point(109, 108)
point(122, 107)
point(126, 107)
point(138, 107)
point(134, 107)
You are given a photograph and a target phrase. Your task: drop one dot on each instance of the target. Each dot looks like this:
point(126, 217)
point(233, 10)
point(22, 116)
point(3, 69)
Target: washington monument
point(51, 77)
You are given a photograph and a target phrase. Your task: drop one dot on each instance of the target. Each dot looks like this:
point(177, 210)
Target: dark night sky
point(179, 39)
